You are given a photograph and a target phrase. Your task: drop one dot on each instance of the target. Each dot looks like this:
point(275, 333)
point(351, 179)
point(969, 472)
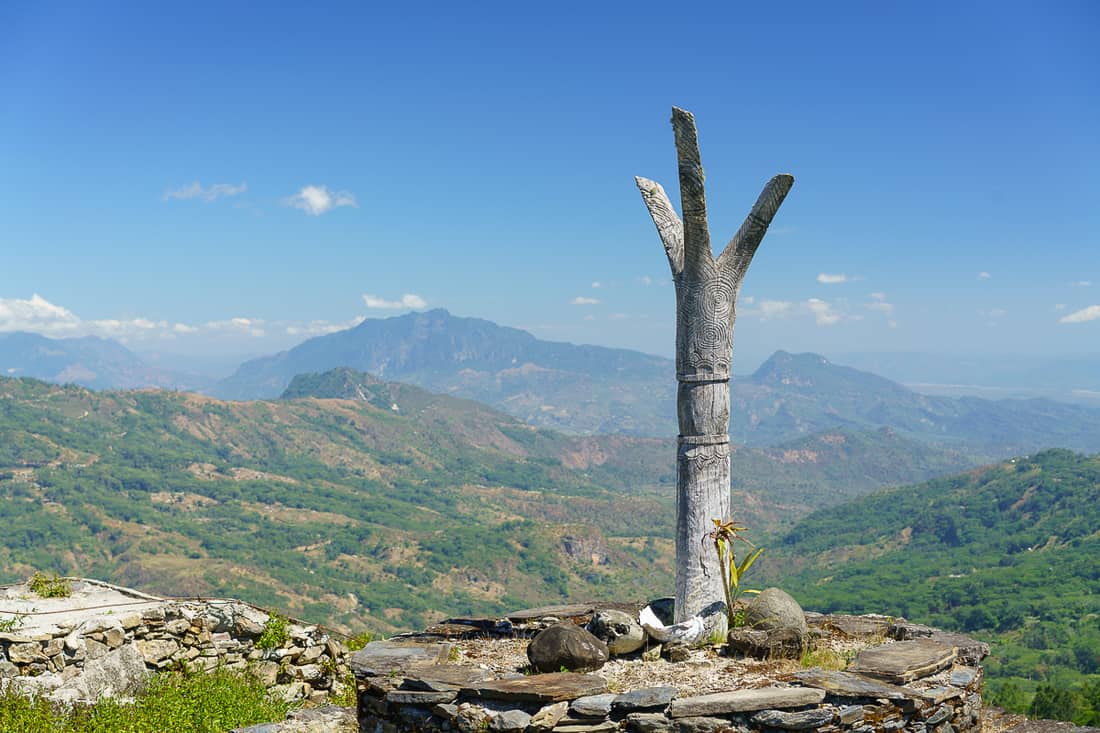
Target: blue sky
point(233, 179)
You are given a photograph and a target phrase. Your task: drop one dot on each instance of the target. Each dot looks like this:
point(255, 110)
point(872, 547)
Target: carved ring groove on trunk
point(696, 377)
point(703, 439)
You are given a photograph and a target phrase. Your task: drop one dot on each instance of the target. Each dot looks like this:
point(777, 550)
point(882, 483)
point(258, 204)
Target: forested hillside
point(387, 510)
point(1010, 553)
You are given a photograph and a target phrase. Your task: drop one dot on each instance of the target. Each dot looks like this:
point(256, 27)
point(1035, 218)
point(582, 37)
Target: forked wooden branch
point(737, 255)
point(664, 217)
point(693, 200)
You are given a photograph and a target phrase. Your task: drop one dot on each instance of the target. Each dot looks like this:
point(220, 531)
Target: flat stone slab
point(409, 697)
point(853, 626)
point(593, 706)
point(847, 684)
point(741, 701)
point(382, 658)
point(970, 651)
point(644, 699)
point(801, 720)
point(561, 612)
point(550, 687)
point(441, 677)
point(904, 661)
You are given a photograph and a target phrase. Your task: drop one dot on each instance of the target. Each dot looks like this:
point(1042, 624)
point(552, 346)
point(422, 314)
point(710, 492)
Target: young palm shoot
point(723, 536)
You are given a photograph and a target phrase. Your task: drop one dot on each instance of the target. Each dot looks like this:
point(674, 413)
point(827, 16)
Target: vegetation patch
point(275, 632)
point(184, 702)
point(50, 586)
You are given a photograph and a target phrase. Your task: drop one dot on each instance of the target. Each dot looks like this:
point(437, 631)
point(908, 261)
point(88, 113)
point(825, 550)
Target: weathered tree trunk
point(706, 295)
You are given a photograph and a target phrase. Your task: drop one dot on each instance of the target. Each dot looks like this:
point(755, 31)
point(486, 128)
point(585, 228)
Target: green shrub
point(275, 632)
point(182, 702)
point(50, 586)
point(360, 640)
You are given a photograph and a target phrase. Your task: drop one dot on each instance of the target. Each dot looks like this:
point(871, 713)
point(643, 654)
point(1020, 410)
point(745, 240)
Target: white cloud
point(878, 296)
point(645, 280)
point(184, 328)
point(320, 328)
point(590, 317)
point(1092, 313)
point(37, 315)
point(619, 316)
point(826, 279)
point(1059, 306)
point(316, 200)
point(1082, 284)
point(240, 325)
point(408, 300)
point(993, 313)
point(775, 308)
point(581, 300)
point(984, 276)
point(824, 313)
point(196, 190)
point(597, 284)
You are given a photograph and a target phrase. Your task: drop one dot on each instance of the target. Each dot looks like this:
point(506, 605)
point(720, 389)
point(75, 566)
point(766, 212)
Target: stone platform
point(468, 675)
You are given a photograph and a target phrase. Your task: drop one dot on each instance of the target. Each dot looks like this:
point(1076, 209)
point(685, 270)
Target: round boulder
point(566, 646)
point(781, 619)
point(619, 630)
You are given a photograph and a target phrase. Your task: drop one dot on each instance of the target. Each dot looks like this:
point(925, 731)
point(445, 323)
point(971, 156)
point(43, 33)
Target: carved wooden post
point(706, 293)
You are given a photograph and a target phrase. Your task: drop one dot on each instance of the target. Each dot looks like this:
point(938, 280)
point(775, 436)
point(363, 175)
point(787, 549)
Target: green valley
point(1009, 553)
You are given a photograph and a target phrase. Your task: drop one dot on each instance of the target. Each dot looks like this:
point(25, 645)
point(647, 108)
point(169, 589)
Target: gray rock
point(593, 706)
point(566, 646)
point(963, 676)
point(648, 723)
point(619, 630)
point(801, 720)
point(381, 658)
point(701, 724)
point(548, 716)
point(25, 653)
point(541, 688)
point(116, 674)
point(850, 714)
point(643, 699)
point(781, 618)
point(601, 726)
point(404, 697)
point(740, 701)
point(509, 721)
point(678, 652)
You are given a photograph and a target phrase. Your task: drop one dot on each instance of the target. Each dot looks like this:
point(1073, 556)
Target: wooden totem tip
point(783, 180)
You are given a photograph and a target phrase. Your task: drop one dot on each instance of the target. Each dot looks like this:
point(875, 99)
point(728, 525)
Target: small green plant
point(453, 654)
point(275, 632)
point(825, 659)
point(360, 640)
point(346, 697)
point(50, 586)
point(723, 535)
point(8, 625)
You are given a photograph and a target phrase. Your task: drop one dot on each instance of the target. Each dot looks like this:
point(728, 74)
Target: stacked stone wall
point(306, 664)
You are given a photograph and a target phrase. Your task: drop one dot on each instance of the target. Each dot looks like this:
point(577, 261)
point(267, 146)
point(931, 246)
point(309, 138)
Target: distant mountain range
point(579, 389)
point(592, 390)
point(90, 361)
